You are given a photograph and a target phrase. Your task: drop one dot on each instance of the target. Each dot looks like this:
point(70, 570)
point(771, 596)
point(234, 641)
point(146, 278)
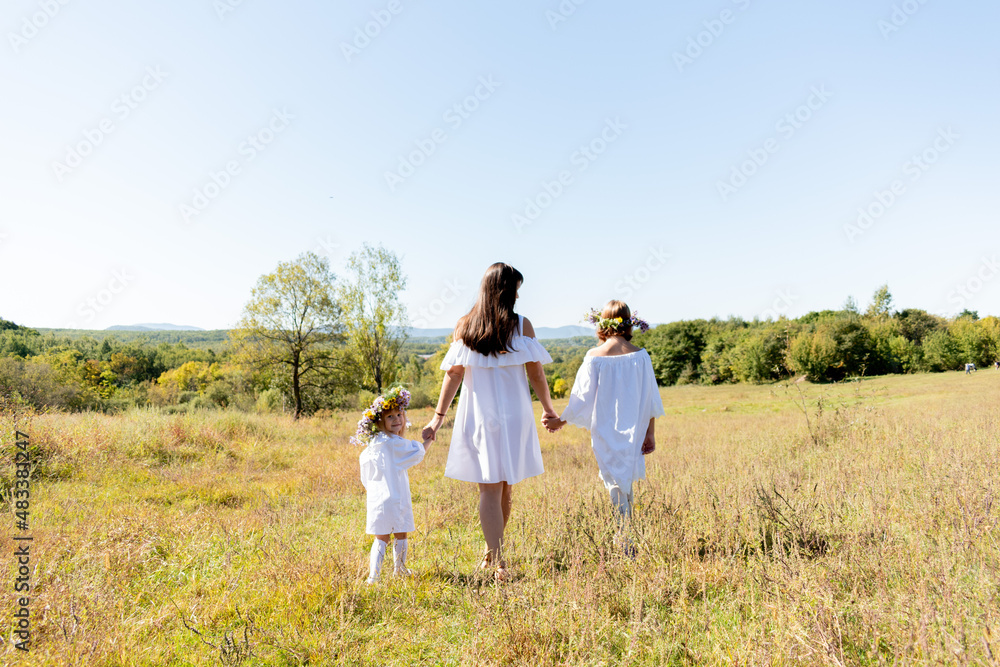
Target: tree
point(881, 305)
point(835, 349)
point(374, 318)
point(975, 344)
point(291, 326)
point(759, 356)
point(918, 324)
point(941, 351)
point(675, 350)
point(812, 354)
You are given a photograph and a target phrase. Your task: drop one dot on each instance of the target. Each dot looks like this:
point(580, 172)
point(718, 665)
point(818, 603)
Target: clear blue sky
point(183, 85)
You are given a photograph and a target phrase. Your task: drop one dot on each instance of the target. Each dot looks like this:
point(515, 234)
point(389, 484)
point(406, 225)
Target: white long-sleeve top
point(615, 397)
point(383, 473)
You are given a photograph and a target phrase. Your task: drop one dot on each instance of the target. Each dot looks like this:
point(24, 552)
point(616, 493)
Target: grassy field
point(800, 524)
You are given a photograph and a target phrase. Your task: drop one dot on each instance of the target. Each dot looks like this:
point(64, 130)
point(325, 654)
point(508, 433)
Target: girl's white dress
point(615, 397)
point(383, 472)
point(495, 439)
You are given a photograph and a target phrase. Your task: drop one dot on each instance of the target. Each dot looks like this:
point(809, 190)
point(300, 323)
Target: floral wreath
point(614, 323)
point(396, 398)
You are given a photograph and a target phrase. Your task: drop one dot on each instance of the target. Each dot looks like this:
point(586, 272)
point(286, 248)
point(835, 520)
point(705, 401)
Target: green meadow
point(788, 524)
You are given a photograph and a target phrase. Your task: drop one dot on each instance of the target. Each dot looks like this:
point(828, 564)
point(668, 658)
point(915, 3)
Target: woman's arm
point(452, 381)
point(536, 376)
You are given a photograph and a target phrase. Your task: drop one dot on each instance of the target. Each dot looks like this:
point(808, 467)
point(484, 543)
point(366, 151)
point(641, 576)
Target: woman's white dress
point(495, 438)
point(615, 397)
point(383, 473)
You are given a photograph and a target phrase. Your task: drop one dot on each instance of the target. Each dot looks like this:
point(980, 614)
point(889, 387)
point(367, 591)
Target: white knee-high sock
point(399, 552)
point(375, 559)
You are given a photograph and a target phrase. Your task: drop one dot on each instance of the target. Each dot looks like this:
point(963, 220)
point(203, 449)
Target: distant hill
point(563, 332)
point(543, 333)
point(428, 333)
point(197, 339)
point(153, 327)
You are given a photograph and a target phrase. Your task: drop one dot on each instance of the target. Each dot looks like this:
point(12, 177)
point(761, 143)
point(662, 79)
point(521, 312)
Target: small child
point(615, 396)
point(383, 473)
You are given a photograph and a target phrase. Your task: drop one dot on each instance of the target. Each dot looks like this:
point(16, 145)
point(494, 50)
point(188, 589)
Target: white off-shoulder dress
point(383, 473)
point(495, 438)
point(615, 397)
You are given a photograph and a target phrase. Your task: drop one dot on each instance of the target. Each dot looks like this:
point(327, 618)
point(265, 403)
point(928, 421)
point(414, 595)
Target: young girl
point(615, 396)
point(383, 473)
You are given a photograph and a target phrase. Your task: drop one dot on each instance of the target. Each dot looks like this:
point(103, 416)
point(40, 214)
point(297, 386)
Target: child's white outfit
point(495, 438)
point(615, 397)
point(383, 472)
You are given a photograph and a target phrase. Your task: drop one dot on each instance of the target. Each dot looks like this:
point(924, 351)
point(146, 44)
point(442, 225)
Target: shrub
point(812, 354)
point(975, 344)
point(941, 352)
point(907, 354)
point(201, 403)
point(219, 393)
point(36, 384)
point(421, 398)
point(270, 400)
point(759, 357)
point(716, 360)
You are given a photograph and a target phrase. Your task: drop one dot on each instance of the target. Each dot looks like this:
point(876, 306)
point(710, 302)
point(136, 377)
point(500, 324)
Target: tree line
point(310, 341)
point(824, 346)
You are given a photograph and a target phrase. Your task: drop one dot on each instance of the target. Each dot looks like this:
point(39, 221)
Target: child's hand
point(427, 443)
point(552, 423)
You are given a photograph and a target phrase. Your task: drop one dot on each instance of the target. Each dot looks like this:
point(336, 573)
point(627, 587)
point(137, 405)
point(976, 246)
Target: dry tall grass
point(853, 524)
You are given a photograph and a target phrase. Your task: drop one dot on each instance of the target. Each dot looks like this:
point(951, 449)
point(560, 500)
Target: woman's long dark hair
point(491, 323)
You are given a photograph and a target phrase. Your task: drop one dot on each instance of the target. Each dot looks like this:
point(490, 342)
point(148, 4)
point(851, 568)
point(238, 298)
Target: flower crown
point(614, 323)
point(396, 398)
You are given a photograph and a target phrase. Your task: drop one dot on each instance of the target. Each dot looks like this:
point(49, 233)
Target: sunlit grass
point(800, 524)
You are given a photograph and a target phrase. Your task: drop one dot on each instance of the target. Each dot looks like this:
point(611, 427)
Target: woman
point(494, 443)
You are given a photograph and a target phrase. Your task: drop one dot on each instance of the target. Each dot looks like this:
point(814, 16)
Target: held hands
point(430, 431)
point(551, 422)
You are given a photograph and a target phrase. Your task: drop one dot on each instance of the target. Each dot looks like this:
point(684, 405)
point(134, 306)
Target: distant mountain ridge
point(153, 327)
point(543, 333)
